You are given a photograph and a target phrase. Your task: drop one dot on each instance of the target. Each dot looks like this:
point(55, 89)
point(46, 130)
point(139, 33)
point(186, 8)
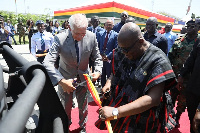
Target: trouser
point(181, 105)
point(29, 41)
point(106, 71)
point(20, 36)
point(14, 40)
point(192, 101)
point(67, 100)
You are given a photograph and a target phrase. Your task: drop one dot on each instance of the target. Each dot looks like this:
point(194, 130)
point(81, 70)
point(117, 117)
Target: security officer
point(21, 31)
point(178, 54)
point(41, 41)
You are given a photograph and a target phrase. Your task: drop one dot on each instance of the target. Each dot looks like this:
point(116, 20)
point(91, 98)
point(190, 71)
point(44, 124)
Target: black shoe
point(83, 130)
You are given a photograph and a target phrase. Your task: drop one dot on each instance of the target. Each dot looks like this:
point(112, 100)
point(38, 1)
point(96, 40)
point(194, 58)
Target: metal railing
point(28, 84)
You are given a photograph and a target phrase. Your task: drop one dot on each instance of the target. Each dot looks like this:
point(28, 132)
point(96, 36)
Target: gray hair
point(79, 20)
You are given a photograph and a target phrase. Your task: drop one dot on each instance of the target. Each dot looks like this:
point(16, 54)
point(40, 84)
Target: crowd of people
point(135, 69)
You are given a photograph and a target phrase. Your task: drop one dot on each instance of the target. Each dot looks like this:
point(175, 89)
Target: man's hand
point(179, 86)
point(95, 76)
point(105, 113)
point(196, 122)
point(104, 57)
point(67, 85)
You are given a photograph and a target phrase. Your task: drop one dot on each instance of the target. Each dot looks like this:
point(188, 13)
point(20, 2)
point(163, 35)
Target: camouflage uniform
point(178, 55)
point(21, 32)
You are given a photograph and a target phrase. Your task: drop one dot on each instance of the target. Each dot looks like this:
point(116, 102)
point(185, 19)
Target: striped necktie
point(42, 43)
point(105, 42)
point(77, 50)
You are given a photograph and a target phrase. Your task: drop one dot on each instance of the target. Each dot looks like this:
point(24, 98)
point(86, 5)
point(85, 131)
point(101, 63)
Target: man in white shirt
point(41, 42)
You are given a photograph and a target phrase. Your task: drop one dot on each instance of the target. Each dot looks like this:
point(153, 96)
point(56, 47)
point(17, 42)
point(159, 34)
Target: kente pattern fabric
point(132, 79)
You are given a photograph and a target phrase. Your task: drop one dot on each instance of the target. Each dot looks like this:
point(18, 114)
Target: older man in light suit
point(75, 46)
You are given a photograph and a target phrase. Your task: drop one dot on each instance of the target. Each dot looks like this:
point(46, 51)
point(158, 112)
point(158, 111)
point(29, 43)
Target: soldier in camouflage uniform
point(178, 55)
point(21, 31)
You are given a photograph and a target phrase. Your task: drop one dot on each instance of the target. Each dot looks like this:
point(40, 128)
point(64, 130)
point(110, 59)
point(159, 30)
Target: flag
point(96, 98)
point(188, 10)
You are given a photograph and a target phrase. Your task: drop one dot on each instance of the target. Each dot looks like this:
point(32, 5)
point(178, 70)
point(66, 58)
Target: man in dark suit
point(75, 46)
point(95, 28)
point(118, 26)
point(107, 41)
point(154, 37)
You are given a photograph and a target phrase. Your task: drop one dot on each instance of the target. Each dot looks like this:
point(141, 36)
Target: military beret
point(39, 22)
point(191, 21)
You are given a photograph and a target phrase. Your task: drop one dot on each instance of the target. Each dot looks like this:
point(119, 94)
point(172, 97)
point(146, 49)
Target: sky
point(174, 7)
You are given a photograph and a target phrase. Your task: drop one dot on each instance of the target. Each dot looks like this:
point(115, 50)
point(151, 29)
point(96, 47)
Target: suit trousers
point(67, 100)
point(106, 71)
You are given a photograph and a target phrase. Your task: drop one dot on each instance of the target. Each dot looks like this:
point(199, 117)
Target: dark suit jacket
point(158, 40)
point(64, 46)
point(98, 29)
point(111, 44)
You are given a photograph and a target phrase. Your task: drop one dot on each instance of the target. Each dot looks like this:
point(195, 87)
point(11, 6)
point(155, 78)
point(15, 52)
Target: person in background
point(177, 56)
point(171, 36)
point(4, 30)
point(117, 27)
point(107, 41)
point(161, 30)
point(46, 24)
point(41, 42)
point(56, 28)
point(75, 46)
point(12, 33)
point(130, 19)
point(65, 25)
point(31, 31)
point(136, 87)
point(50, 27)
point(21, 31)
point(153, 36)
point(95, 28)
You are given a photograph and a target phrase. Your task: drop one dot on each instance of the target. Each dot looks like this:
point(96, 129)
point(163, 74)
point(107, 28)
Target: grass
point(22, 42)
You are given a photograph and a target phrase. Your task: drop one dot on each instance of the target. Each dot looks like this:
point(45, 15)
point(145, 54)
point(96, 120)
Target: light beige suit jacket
point(64, 46)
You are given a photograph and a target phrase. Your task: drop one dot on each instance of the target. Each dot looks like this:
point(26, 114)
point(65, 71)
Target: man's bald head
point(151, 25)
point(129, 32)
point(131, 41)
point(152, 19)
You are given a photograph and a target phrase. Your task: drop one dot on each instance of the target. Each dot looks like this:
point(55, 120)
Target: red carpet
point(93, 116)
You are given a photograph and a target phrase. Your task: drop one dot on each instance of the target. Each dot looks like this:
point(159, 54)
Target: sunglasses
point(127, 49)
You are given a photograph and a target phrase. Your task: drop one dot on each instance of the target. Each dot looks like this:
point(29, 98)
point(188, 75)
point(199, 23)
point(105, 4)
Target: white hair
point(79, 20)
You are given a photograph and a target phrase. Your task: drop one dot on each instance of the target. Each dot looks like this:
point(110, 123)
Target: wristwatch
point(115, 112)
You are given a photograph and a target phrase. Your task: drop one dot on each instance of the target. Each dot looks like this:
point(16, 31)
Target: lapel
point(84, 43)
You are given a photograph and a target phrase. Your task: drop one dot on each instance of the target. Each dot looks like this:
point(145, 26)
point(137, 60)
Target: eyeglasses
point(127, 49)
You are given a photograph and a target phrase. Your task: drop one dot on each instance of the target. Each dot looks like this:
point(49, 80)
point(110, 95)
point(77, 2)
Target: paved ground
point(23, 50)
